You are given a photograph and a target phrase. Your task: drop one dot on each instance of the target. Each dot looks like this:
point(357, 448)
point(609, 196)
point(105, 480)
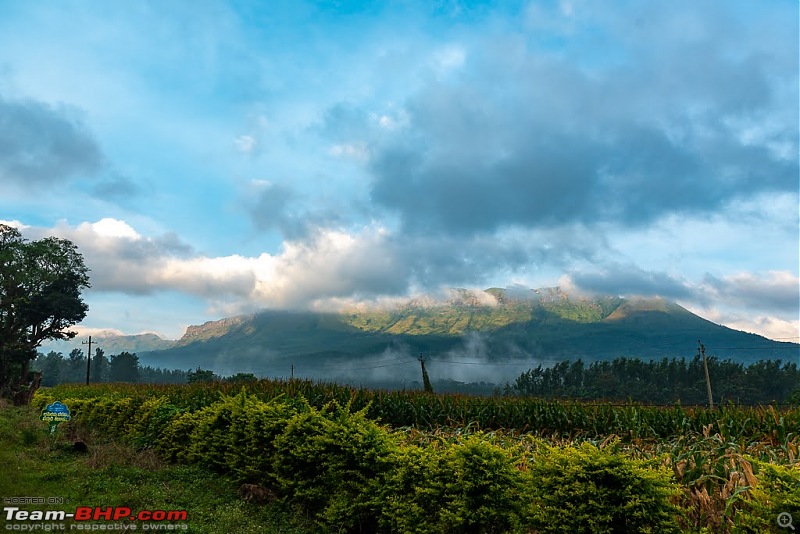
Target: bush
point(466, 487)
point(332, 462)
point(252, 438)
point(592, 490)
point(777, 491)
point(176, 440)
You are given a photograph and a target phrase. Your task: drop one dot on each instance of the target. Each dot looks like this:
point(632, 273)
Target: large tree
point(40, 298)
point(123, 367)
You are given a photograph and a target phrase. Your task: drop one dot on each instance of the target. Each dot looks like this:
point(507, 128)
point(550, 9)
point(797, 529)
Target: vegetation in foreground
point(114, 473)
point(334, 464)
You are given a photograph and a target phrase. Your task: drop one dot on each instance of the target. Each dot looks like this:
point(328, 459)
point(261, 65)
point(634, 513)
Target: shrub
point(777, 491)
point(252, 437)
point(588, 489)
point(465, 487)
point(332, 462)
point(176, 440)
point(151, 419)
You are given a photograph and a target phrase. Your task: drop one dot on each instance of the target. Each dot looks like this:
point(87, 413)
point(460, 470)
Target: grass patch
point(36, 464)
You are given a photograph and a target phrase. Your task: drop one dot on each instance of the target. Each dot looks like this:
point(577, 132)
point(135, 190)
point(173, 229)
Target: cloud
point(631, 280)
point(119, 258)
point(322, 269)
point(330, 269)
point(117, 189)
point(773, 327)
point(246, 144)
point(774, 290)
point(777, 291)
point(674, 125)
point(42, 145)
point(271, 208)
point(274, 206)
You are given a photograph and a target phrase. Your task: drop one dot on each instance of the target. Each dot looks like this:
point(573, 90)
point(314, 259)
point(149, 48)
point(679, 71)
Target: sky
point(215, 158)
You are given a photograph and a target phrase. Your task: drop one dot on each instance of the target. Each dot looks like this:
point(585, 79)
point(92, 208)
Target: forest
point(665, 381)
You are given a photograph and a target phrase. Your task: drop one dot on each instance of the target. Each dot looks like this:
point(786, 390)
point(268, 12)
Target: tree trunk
point(25, 390)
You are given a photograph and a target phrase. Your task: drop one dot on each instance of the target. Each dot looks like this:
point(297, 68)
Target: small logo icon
point(785, 520)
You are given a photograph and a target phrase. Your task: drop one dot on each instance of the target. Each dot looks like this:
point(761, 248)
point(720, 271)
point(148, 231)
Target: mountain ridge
point(481, 328)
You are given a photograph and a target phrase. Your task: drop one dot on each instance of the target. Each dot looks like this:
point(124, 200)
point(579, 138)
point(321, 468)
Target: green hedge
point(351, 474)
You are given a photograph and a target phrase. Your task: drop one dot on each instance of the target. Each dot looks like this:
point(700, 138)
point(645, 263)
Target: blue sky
point(221, 157)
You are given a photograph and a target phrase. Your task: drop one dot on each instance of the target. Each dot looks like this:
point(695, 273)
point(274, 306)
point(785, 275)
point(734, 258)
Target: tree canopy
point(40, 298)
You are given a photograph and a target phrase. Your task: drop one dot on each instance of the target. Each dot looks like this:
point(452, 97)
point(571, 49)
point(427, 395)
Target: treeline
point(665, 381)
point(122, 367)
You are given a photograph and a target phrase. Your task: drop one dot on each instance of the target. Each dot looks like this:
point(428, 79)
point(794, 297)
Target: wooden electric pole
point(426, 381)
point(89, 359)
point(708, 378)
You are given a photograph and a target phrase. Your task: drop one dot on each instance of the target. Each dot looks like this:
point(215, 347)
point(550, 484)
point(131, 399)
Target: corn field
point(552, 418)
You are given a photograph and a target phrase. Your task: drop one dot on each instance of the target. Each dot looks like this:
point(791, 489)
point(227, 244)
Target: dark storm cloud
point(430, 262)
point(679, 124)
point(41, 145)
point(630, 280)
point(281, 208)
point(271, 207)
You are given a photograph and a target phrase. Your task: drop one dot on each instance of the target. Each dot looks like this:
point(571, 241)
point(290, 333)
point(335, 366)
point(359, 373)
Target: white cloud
point(448, 59)
point(15, 224)
point(109, 227)
point(328, 264)
point(246, 143)
point(356, 151)
point(771, 327)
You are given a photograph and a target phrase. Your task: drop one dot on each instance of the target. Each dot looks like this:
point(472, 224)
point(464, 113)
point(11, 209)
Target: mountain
point(111, 343)
point(468, 336)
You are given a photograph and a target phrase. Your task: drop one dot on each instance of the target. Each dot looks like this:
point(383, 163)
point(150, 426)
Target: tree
point(40, 298)
point(123, 367)
point(201, 375)
point(76, 367)
point(99, 366)
point(50, 366)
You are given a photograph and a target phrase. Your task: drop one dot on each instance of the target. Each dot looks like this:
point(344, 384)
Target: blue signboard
point(55, 413)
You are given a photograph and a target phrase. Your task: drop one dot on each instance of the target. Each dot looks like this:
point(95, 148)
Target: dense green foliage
point(319, 447)
point(586, 489)
point(414, 408)
point(350, 474)
point(114, 473)
point(465, 486)
point(665, 381)
point(40, 298)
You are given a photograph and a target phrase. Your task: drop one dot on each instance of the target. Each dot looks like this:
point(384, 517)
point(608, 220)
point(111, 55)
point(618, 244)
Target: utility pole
point(708, 378)
point(89, 359)
point(426, 381)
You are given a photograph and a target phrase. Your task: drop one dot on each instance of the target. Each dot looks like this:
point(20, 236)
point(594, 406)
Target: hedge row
point(545, 418)
point(349, 474)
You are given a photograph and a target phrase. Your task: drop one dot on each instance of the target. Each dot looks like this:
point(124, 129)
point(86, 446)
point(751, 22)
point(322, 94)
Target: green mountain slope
point(469, 328)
